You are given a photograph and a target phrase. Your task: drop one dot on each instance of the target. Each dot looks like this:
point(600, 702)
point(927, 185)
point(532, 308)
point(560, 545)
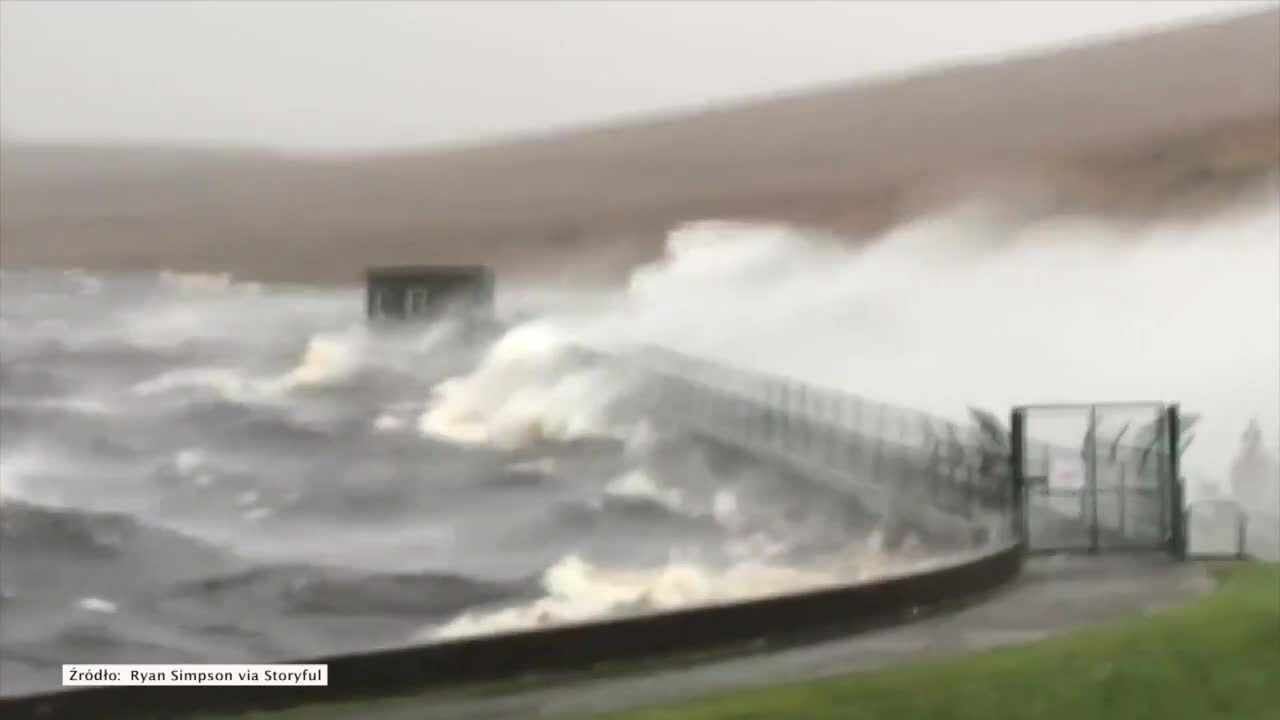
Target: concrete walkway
point(1054, 595)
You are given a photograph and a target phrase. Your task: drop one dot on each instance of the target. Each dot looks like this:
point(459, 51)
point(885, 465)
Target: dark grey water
point(198, 471)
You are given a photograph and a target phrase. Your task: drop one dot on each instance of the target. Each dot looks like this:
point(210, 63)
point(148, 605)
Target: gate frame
point(1176, 544)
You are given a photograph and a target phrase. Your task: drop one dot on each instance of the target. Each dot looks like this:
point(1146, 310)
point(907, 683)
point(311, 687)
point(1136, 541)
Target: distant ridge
point(1133, 125)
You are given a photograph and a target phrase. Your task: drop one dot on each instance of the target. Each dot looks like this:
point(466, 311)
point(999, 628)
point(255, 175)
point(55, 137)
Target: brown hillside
point(1138, 125)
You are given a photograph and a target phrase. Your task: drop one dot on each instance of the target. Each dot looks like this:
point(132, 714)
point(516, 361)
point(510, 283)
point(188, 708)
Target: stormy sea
point(199, 469)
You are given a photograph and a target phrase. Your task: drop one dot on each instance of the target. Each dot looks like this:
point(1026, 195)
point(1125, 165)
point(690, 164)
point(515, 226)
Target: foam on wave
point(532, 387)
point(992, 302)
point(327, 360)
point(576, 590)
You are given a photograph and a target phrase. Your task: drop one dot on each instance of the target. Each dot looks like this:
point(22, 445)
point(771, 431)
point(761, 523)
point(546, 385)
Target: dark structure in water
point(429, 292)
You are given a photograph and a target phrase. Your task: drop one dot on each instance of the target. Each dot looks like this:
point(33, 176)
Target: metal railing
point(912, 465)
point(903, 463)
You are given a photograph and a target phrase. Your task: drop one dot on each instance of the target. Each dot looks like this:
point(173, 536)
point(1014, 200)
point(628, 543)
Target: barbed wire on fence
point(961, 470)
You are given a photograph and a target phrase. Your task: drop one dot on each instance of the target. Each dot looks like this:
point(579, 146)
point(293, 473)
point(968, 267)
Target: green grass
point(1216, 658)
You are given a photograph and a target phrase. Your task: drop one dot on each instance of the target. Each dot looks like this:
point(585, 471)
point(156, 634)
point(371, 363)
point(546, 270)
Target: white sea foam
point(229, 384)
point(987, 304)
point(387, 422)
point(20, 469)
point(97, 605)
point(532, 387)
point(206, 283)
point(639, 485)
point(578, 591)
point(189, 460)
point(327, 360)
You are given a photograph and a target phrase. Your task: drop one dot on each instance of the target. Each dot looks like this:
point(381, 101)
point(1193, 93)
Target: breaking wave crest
point(327, 361)
point(989, 303)
point(534, 386)
point(578, 591)
point(637, 485)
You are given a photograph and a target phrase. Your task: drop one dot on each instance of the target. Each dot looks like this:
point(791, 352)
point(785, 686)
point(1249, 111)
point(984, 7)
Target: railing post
point(1174, 477)
point(1017, 450)
point(1091, 478)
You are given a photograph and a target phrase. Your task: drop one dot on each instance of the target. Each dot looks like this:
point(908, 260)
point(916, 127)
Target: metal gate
point(1100, 477)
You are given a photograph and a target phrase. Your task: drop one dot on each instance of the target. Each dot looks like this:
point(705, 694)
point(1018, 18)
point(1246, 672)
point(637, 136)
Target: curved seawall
point(542, 654)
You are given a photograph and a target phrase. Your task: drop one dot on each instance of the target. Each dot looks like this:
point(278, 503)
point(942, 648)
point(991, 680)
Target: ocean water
point(198, 470)
point(195, 469)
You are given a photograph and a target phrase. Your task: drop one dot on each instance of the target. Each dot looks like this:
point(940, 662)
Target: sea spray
point(535, 385)
point(977, 306)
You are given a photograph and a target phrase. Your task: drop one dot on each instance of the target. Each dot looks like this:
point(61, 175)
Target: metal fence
point(923, 470)
point(909, 466)
point(1099, 477)
point(1121, 500)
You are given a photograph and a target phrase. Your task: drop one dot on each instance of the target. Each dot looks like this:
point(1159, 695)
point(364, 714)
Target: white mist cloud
point(986, 307)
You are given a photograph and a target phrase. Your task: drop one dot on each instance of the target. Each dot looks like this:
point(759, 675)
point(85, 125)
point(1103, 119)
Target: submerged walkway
point(1053, 595)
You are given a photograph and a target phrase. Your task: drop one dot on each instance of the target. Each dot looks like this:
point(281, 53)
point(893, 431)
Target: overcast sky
point(355, 76)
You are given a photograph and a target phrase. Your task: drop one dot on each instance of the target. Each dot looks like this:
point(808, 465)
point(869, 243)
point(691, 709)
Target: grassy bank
point(1217, 658)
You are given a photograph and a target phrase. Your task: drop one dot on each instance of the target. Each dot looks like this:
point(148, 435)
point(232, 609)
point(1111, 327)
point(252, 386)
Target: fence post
point(971, 479)
point(1017, 478)
point(1091, 477)
point(1178, 535)
point(1124, 497)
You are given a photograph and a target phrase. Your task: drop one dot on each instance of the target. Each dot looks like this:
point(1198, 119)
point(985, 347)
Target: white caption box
point(193, 674)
